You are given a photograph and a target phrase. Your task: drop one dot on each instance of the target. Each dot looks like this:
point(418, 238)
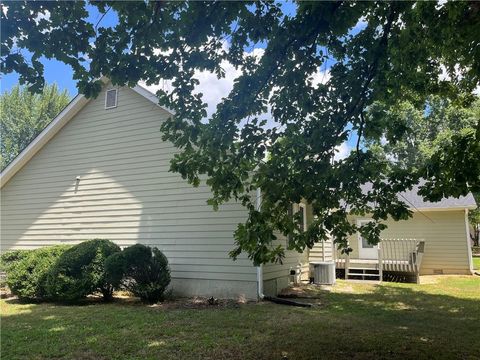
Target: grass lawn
point(438, 319)
point(476, 263)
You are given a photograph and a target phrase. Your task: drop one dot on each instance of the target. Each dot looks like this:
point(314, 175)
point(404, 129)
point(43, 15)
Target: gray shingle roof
point(415, 201)
point(412, 198)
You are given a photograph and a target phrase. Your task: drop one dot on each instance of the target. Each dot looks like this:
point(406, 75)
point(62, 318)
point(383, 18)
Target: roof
point(77, 103)
point(417, 203)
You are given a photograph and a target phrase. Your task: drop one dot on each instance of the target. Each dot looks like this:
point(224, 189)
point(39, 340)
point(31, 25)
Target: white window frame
point(368, 253)
point(302, 207)
point(116, 98)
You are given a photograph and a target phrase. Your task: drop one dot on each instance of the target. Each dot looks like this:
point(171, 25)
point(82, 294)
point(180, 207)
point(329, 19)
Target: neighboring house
point(101, 170)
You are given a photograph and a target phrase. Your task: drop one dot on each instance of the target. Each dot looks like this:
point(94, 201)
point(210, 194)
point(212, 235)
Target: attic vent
point(111, 99)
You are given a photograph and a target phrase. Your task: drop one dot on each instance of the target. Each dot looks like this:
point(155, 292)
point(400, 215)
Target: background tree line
point(24, 115)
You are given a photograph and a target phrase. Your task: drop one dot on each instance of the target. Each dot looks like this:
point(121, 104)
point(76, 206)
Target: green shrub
point(140, 269)
point(7, 259)
point(27, 274)
point(80, 271)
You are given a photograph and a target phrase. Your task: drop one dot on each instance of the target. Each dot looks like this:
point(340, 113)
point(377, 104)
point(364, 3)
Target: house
point(434, 241)
point(101, 170)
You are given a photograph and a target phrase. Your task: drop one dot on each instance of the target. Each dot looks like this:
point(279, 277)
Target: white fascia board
point(151, 97)
point(451, 208)
point(55, 125)
point(77, 103)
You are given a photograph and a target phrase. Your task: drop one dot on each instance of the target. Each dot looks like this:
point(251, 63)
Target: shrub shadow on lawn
point(171, 303)
point(387, 321)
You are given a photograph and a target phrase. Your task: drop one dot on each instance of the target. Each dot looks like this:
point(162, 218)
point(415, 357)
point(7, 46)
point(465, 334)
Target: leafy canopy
point(25, 115)
point(375, 52)
point(422, 130)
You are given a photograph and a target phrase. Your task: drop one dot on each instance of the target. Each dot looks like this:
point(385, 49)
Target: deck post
point(347, 264)
point(323, 250)
point(380, 262)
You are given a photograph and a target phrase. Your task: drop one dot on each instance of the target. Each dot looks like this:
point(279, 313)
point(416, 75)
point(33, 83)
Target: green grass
point(476, 263)
point(438, 319)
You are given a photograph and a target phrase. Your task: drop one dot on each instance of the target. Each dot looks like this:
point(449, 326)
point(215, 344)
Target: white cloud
point(42, 15)
point(361, 24)
point(342, 151)
point(477, 90)
point(321, 77)
point(440, 4)
point(214, 89)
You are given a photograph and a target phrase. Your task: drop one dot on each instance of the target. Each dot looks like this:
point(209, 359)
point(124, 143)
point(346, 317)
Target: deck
point(393, 255)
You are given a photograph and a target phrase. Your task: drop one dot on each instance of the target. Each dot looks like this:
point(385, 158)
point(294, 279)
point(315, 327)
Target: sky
point(212, 88)
point(56, 71)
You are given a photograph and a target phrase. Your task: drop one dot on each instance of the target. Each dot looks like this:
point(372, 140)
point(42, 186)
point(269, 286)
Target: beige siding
point(445, 236)
point(125, 194)
point(275, 276)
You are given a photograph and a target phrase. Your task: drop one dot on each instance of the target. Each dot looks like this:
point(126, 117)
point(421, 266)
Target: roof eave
point(77, 103)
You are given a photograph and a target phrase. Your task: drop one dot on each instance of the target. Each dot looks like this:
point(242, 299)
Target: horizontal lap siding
point(292, 258)
point(125, 193)
point(445, 237)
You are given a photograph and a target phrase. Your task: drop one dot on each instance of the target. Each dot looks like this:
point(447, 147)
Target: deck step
point(363, 273)
point(360, 274)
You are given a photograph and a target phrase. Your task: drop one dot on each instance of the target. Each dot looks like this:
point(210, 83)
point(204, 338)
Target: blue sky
point(56, 71)
point(61, 74)
point(212, 88)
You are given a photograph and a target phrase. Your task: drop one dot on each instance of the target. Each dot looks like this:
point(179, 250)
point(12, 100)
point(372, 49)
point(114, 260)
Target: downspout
point(260, 294)
point(469, 247)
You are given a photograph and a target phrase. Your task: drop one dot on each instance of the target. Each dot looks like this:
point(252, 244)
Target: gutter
point(469, 245)
point(260, 294)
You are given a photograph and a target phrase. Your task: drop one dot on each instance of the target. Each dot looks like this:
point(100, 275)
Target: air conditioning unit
point(323, 272)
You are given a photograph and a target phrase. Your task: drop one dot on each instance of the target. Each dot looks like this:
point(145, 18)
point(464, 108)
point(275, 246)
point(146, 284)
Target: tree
point(422, 131)
point(388, 52)
point(25, 115)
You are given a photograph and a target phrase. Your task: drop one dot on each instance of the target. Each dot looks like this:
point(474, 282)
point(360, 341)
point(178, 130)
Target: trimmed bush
point(140, 269)
point(7, 259)
point(27, 271)
point(80, 271)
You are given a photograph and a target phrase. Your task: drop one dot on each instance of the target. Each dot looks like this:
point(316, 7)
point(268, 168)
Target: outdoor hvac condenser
point(323, 272)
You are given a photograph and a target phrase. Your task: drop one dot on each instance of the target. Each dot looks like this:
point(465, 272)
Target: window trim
point(116, 98)
point(359, 236)
point(303, 207)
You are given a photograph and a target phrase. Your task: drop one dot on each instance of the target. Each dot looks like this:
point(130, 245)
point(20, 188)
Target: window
point(303, 217)
point(364, 243)
point(301, 210)
point(111, 98)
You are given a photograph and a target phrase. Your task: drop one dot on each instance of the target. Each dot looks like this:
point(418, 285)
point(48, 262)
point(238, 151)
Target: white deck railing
point(402, 255)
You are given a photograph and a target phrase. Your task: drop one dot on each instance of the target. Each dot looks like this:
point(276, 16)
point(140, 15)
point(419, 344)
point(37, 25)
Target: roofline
point(77, 103)
point(68, 112)
point(444, 208)
point(151, 97)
